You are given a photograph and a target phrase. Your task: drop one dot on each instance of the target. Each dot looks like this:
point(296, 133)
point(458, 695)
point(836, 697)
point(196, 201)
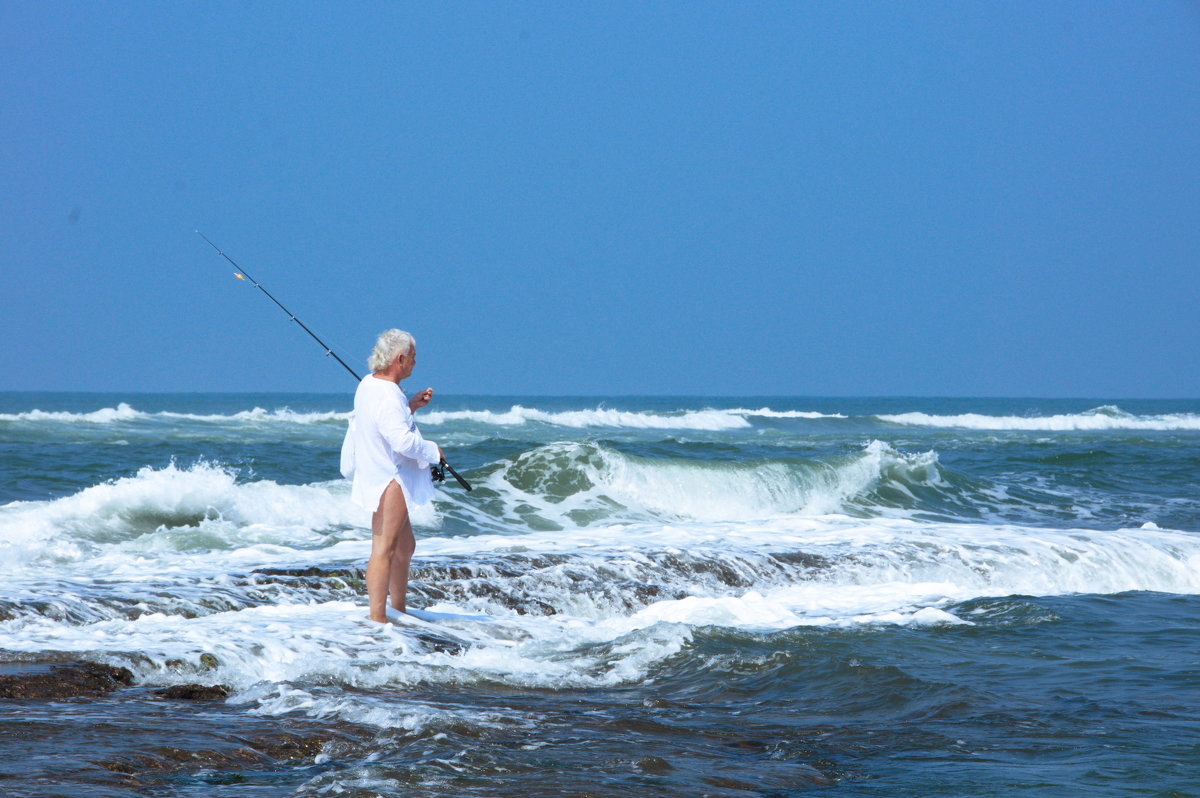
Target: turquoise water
point(682, 596)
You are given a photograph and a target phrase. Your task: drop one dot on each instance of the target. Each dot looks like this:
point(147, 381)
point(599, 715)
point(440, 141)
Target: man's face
point(407, 361)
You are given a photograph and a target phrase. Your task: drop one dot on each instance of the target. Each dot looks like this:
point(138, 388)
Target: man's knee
point(405, 546)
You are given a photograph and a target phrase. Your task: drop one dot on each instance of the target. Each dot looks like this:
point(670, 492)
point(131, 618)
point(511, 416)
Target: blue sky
point(860, 198)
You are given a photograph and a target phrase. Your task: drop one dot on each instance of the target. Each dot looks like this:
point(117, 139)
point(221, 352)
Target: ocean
point(672, 596)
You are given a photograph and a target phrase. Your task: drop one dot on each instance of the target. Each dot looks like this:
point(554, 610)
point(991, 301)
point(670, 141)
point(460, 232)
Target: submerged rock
point(654, 765)
point(194, 692)
point(317, 577)
point(441, 643)
point(66, 681)
point(255, 751)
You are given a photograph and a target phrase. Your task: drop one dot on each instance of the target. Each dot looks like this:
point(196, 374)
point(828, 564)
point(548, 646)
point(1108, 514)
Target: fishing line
point(439, 471)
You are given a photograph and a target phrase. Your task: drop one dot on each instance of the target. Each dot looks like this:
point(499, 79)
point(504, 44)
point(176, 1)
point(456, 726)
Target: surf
point(1107, 417)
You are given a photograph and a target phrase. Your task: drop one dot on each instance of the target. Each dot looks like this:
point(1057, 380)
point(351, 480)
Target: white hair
point(389, 344)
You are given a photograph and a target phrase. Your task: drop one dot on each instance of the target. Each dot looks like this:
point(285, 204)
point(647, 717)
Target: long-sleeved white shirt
point(383, 443)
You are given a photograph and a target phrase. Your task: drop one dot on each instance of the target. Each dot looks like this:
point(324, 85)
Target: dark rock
point(352, 580)
point(256, 751)
point(169, 759)
point(194, 692)
point(654, 765)
point(811, 774)
point(730, 784)
point(66, 681)
point(814, 562)
point(286, 745)
point(442, 644)
point(314, 570)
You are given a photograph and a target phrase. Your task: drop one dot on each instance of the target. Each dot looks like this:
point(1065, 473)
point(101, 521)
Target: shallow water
point(674, 596)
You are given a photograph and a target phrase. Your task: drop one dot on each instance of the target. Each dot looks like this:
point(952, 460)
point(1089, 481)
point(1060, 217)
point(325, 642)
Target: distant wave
point(107, 415)
point(710, 419)
point(258, 414)
point(600, 417)
point(1107, 417)
point(766, 412)
point(123, 412)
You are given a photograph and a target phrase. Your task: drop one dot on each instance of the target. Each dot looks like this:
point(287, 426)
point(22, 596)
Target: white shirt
point(383, 443)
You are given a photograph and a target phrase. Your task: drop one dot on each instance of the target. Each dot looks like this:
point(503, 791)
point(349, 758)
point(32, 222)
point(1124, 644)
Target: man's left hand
point(420, 400)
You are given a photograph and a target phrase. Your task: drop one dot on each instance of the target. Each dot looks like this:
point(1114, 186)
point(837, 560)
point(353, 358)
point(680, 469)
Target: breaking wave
point(200, 508)
point(124, 412)
point(710, 419)
point(1107, 417)
point(571, 484)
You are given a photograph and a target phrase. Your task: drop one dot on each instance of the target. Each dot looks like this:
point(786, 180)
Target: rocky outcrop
point(262, 750)
point(194, 692)
point(65, 681)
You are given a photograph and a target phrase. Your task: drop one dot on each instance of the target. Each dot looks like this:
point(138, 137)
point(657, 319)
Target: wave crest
point(714, 420)
point(105, 415)
point(1107, 417)
point(710, 419)
point(124, 412)
point(578, 484)
point(200, 507)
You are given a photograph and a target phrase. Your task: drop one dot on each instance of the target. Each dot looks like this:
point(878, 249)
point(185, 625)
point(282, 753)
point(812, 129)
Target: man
point(388, 461)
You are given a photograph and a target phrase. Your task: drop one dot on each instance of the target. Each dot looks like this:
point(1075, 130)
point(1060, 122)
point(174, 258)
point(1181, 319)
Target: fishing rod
point(439, 470)
point(242, 274)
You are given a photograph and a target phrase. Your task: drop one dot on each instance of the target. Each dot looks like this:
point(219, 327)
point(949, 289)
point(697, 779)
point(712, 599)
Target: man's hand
point(420, 400)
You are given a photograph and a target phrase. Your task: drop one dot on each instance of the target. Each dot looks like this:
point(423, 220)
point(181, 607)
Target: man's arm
point(405, 439)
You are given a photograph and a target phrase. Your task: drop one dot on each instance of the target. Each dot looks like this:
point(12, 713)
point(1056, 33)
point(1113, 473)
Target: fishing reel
point(439, 474)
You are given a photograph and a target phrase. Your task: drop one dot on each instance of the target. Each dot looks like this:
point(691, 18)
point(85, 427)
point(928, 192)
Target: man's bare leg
point(386, 531)
point(402, 554)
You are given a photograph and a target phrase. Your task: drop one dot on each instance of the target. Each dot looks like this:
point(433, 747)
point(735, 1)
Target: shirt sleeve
point(347, 464)
point(396, 425)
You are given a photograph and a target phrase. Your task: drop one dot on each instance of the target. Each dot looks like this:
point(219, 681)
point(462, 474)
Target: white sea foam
point(162, 514)
point(605, 566)
point(728, 491)
point(1101, 418)
point(124, 412)
point(260, 415)
point(862, 572)
point(982, 559)
point(599, 417)
point(630, 562)
point(710, 419)
point(293, 417)
point(105, 415)
point(158, 512)
point(766, 412)
point(808, 605)
point(415, 717)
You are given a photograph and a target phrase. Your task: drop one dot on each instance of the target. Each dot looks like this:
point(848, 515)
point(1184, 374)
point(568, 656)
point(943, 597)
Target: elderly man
point(388, 461)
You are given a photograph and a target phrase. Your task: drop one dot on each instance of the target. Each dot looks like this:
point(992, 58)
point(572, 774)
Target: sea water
point(642, 595)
